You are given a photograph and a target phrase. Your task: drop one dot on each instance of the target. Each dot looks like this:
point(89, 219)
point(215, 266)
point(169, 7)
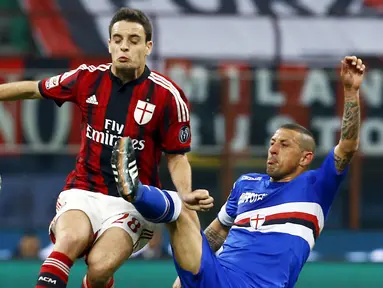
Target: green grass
point(145, 274)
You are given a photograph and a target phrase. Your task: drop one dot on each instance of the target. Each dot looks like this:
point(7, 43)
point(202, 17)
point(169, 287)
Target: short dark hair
point(300, 129)
point(132, 15)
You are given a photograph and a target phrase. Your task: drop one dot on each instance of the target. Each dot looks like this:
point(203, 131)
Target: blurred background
point(247, 66)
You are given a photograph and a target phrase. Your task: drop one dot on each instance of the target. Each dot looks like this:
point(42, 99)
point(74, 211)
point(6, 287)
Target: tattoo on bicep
point(350, 123)
point(342, 162)
point(214, 238)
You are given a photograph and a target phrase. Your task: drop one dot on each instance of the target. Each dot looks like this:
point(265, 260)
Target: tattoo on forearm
point(214, 238)
point(350, 130)
point(351, 120)
point(342, 162)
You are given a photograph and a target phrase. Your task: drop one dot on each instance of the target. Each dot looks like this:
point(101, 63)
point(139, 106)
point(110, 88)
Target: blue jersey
point(274, 225)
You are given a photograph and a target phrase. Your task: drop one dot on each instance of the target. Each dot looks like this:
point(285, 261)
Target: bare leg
point(73, 233)
point(186, 240)
point(112, 249)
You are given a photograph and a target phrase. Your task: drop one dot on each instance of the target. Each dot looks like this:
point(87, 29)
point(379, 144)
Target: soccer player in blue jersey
point(270, 222)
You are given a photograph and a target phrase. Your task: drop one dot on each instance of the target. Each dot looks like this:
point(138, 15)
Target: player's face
point(284, 155)
point(128, 46)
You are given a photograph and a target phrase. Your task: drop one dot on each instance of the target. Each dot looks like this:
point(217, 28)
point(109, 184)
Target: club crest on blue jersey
point(257, 220)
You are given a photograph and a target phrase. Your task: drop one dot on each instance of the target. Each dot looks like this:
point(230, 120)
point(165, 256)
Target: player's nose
point(273, 149)
point(124, 46)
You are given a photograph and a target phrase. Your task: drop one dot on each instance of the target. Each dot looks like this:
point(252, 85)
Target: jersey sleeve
point(328, 181)
point(175, 126)
point(228, 212)
point(61, 88)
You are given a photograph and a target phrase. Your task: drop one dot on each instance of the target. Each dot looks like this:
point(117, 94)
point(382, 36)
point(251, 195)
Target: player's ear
point(149, 47)
point(110, 52)
point(307, 158)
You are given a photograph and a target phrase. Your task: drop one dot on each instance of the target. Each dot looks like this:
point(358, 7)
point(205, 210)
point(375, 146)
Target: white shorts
point(104, 212)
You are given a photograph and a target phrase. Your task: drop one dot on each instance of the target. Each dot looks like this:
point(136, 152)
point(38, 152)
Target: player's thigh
point(109, 252)
point(210, 272)
point(186, 241)
point(120, 235)
point(121, 214)
point(73, 228)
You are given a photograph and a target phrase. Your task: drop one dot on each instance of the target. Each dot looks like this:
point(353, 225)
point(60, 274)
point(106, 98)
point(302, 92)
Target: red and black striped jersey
point(151, 109)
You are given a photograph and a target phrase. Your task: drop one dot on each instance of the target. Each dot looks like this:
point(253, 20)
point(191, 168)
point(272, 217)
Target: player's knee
point(100, 270)
point(107, 255)
point(105, 263)
point(73, 233)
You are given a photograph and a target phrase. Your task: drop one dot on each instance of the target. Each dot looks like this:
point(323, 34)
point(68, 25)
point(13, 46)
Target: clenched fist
point(352, 72)
point(198, 200)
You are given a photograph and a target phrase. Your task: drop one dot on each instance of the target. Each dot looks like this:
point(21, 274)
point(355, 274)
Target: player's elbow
point(176, 160)
point(34, 90)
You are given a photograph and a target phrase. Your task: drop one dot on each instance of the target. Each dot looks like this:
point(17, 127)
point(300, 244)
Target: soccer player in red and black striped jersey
point(124, 98)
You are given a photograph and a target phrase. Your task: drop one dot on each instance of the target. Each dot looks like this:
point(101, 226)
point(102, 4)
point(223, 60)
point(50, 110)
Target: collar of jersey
point(137, 81)
point(276, 184)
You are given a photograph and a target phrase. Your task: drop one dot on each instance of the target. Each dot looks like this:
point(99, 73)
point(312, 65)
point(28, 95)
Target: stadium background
point(247, 66)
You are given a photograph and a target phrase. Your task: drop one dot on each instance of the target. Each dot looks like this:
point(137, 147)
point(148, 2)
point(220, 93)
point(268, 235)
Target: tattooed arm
point(216, 234)
point(349, 139)
point(352, 77)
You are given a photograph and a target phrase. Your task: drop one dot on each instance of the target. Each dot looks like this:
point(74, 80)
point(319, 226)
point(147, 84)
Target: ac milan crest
point(143, 112)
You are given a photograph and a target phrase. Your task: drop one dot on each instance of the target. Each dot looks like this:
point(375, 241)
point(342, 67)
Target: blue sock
point(157, 206)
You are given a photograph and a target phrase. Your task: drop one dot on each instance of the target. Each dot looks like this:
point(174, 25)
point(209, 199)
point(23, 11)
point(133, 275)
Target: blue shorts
point(211, 274)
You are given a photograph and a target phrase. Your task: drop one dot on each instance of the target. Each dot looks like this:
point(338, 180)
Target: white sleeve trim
point(225, 218)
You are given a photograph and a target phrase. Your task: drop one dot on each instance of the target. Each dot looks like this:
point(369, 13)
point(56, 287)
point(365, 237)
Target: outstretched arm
point(19, 90)
point(352, 73)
